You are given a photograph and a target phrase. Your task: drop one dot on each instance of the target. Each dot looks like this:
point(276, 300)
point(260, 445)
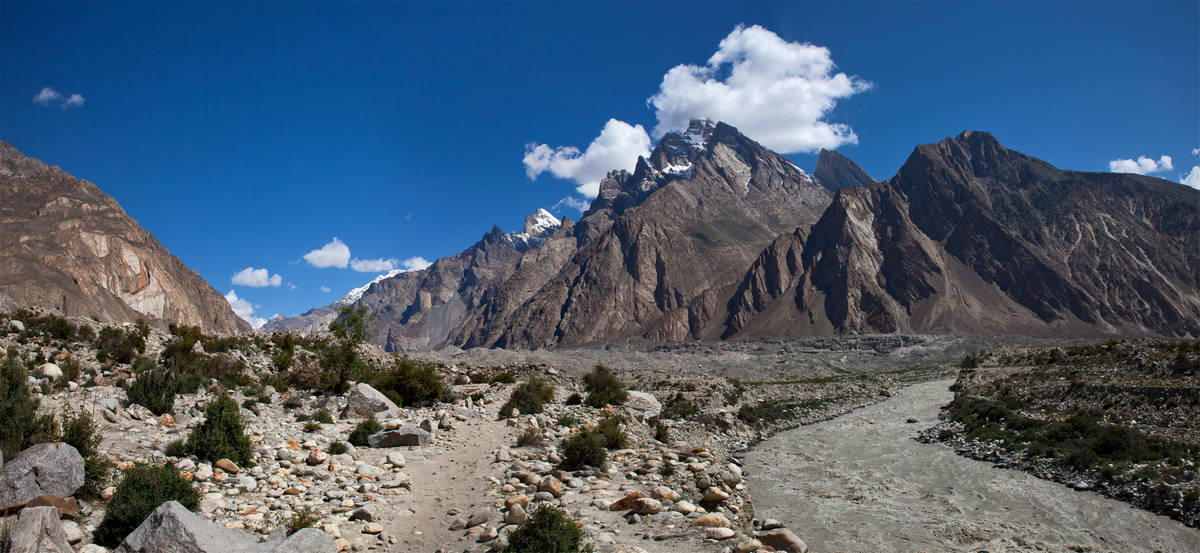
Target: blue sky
point(248, 135)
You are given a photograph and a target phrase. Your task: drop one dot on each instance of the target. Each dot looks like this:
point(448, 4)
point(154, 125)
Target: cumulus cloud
point(776, 92)
point(617, 147)
point(256, 278)
point(73, 101)
point(373, 265)
point(1196, 151)
point(244, 309)
point(415, 263)
point(334, 254)
point(47, 96)
point(570, 202)
point(1191, 179)
point(326, 289)
point(1141, 166)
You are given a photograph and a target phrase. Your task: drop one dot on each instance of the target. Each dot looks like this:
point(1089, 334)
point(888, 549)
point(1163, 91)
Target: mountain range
point(715, 237)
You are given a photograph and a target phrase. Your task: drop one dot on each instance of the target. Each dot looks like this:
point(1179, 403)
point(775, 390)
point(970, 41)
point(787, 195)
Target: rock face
point(404, 436)
point(835, 172)
point(171, 528)
point(44, 469)
point(38, 531)
point(364, 401)
point(67, 246)
point(971, 237)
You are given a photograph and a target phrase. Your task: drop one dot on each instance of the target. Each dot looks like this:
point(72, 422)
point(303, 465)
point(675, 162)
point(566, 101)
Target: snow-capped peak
point(539, 222)
point(698, 132)
point(357, 293)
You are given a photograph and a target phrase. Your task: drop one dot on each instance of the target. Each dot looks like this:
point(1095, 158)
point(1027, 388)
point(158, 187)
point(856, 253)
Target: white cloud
point(334, 254)
point(373, 265)
point(774, 91)
point(415, 263)
point(256, 278)
point(47, 96)
point(617, 147)
point(578, 204)
point(1196, 151)
point(1192, 179)
point(1142, 166)
point(326, 289)
point(292, 286)
point(74, 101)
point(244, 309)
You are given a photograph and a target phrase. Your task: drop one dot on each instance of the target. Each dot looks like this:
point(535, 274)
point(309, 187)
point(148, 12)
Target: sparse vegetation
point(528, 397)
point(411, 383)
point(20, 424)
point(340, 361)
point(583, 449)
point(548, 529)
point(678, 407)
point(337, 448)
point(119, 345)
point(604, 388)
point(322, 416)
point(221, 435)
point(80, 431)
point(153, 388)
point(362, 430)
point(143, 488)
point(302, 517)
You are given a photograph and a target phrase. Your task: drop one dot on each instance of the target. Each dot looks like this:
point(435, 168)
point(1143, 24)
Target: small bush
point(412, 383)
point(70, 372)
point(293, 402)
point(574, 399)
point(20, 424)
point(250, 403)
point(531, 437)
point(368, 426)
point(221, 435)
point(604, 388)
point(338, 448)
point(528, 398)
point(548, 529)
point(678, 407)
point(80, 431)
point(323, 416)
point(666, 470)
point(582, 449)
point(611, 434)
point(115, 344)
point(176, 448)
point(140, 492)
point(567, 421)
point(661, 433)
point(154, 388)
point(302, 517)
point(506, 377)
point(312, 427)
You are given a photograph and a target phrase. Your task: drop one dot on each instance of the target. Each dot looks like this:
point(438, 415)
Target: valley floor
point(861, 482)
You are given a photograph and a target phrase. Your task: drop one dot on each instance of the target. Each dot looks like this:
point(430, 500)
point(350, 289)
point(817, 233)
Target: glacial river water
point(860, 482)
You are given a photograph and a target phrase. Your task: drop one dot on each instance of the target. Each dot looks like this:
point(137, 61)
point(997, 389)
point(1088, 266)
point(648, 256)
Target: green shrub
point(302, 517)
point(368, 426)
point(80, 431)
point(604, 388)
point(70, 372)
point(412, 383)
point(582, 449)
point(140, 492)
point(293, 402)
point(661, 432)
point(154, 388)
point(611, 434)
point(548, 529)
point(312, 427)
point(339, 359)
point(678, 407)
point(567, 421)
point(531, 437)
point(117, 345)
point(221, 435)
point(20, 425)
point(338, 448)
point(666, 470)
point(528, 397)
point(176, 448)
point(574, 399)
point(249, 403)
point(506, 377)
point(323, 416)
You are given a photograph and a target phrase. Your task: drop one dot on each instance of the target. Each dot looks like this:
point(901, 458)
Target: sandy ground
point(862, 483)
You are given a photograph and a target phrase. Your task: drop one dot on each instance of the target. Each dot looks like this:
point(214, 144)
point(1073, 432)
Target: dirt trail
point(861, 483)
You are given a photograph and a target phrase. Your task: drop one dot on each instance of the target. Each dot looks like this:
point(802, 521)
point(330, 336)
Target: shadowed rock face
point(973, 237)
point(835, 172)
point(67, 246)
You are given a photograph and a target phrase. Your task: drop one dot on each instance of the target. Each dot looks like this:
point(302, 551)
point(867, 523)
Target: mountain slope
point(67, 246)
point(972, 237)
point(835, 172)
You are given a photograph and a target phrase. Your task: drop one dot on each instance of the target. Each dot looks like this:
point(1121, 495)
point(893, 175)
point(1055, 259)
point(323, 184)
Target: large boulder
point(645, 405)
point(403, 436)
point(44, 469)
point(783, 539)
point(364, 401)
point(171, 528)
point(39, 531)
point(50, 370)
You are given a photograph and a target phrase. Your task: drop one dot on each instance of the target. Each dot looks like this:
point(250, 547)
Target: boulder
point(712, 520)
point(39, 531)
point(44, 469)
point(171, 528)
point(647, 506)
point(403, 436)
point(783, 539)
point(644, 404)
point(227, 466)
point(16, 326)
point(363, 401)
point(50, 370)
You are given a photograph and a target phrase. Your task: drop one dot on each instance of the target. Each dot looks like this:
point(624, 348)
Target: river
point(860, 482)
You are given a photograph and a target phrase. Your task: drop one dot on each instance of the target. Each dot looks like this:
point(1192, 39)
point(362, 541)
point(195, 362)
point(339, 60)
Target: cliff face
point(973, 237)
point(65, 245)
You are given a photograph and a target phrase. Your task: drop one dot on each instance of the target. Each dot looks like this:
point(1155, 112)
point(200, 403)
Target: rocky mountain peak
point(539, 226)
point(836, 171)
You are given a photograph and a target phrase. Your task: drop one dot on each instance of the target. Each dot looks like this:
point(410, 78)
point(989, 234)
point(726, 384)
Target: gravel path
point(860, 482)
